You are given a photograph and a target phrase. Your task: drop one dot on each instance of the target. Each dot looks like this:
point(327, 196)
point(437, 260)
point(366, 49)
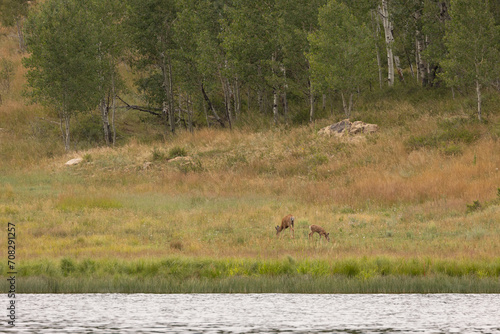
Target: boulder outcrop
point(347, 128)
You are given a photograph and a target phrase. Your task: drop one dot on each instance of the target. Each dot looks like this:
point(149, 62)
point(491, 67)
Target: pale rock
point(74, 161)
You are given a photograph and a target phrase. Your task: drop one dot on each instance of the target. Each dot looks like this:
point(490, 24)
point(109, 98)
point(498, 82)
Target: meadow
point(414, 207)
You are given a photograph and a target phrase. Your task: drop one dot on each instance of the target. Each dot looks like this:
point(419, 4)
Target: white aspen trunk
point(389, 39)
point(350, 104)
point(376, 32)
point(105, 120)
point(170, 98)
point(417, 59)
point(347, 106)
point(227, 100)
point(19, 24)
point(479, 99)
point(190, 114)
point(67, 137)
point(398, 68)
point(168, 104)
point(285, 106)
point(248, 99)
point(275, 105)
point(165, 113)
point(379, 63)
point(227, 97)
point(103, 106)
point(311, 102)
point(285, 101)
point(260, 93)
point(275, 91)
point(237, 98)
point(331, 95)
point(65, 131)
point(419, 48)
point(181, 117)
point(113, 91)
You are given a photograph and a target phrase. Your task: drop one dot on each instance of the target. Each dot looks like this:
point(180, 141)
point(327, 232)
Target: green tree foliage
point(341, 54)
point(206, 62)
point(61, 64)
point(12, 13)
point(150, 27)
point(472, 44)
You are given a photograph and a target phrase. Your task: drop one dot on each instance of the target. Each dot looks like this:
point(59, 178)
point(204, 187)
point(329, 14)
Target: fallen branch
point(134, 107)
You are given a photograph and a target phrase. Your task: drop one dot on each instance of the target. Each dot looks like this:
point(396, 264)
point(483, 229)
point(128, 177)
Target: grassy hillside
point(424, 191)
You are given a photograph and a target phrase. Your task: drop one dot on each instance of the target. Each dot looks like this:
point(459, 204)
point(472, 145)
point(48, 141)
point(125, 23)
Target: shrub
point(177, 151)
point(475, 206)
point(67, 266)
point(157, 155)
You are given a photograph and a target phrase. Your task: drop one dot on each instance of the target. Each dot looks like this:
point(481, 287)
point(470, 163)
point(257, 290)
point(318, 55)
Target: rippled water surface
point(255, 313)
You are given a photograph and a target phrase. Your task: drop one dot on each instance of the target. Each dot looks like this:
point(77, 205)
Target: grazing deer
point(321, 231)
point(286, 222)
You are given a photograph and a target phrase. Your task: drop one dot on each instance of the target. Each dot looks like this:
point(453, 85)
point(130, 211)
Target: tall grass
point(374, 275)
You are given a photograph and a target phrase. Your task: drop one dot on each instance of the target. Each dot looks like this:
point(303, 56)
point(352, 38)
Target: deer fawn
point(321, 231)
point(286, 222)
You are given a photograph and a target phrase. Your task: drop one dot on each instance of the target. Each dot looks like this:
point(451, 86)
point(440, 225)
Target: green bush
point(177, 151)
point(475, 206)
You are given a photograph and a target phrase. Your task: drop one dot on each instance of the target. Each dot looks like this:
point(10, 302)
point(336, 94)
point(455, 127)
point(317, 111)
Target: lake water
point(254, 313)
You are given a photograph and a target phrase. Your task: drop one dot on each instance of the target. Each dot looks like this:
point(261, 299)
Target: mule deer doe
point(318, 229)
point(286, 222)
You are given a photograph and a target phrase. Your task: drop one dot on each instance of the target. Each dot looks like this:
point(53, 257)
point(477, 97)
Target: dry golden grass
point(375, 199)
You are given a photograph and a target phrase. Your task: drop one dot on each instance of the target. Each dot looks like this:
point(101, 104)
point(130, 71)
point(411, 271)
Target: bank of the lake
point(286, 275)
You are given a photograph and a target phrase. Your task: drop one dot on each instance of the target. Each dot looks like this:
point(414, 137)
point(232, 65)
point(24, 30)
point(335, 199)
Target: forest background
point(197, 123)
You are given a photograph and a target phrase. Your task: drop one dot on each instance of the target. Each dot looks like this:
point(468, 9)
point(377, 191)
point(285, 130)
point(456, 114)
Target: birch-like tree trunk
point(226, 88)
point(64, 118)
point(389, 40)
point(376, 32)
point(398, 68)
point(285, 100)
point(113, 92)
point(19, 24)
point(260, 93)
point(347, 105)
point(248, 99)
point(190, 114)
point(311, 101)
point(170, 98)
point(275, 105)
point(479, 99)
point(419, 48)
point(105, 120)
point(237, 98)
point(168, 104)
point(275, 92)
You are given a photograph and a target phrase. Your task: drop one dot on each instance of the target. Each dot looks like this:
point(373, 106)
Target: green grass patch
point(76, 203)
point(241, 275)
point(450, 134)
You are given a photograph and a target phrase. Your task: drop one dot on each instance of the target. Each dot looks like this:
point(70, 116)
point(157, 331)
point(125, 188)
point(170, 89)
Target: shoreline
point(287, 275)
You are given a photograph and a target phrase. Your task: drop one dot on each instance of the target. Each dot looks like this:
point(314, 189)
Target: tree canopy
point(213, 62)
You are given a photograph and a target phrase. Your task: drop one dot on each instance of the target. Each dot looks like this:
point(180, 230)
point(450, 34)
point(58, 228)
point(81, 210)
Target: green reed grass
point(169, 275)
point(260, 284)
